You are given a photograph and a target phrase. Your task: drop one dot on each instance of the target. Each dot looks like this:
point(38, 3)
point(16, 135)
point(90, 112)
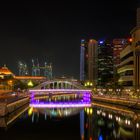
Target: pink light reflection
point(59, 105)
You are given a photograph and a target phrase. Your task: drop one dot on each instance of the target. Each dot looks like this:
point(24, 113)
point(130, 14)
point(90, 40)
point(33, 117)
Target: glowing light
point(87, 110)
point(119, 119)
point(10, 82)
point(91, 110)
point(82, 137)
point(90, 138)
point(130, 39)
point(137, 125)
point(91, 84)
point(100, 137)
point(110, 116)
point(59, 90)
point(30, 84)
point(101, 42)
point(104, 114)
point(60, 105)
point(30, 111)
point(98, 112)
point(128, 122)
point(82, 40)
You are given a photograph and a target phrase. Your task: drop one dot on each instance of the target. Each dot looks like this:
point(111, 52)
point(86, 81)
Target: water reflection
point(97, 122)
point(11, 118)
point(53, 112)
point(109, 123)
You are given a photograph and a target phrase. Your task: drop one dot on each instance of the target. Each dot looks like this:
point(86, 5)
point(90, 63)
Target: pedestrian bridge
point(60, 84)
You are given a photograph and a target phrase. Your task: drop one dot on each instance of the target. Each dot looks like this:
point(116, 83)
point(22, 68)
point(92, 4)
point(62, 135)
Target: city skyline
point(52, 32)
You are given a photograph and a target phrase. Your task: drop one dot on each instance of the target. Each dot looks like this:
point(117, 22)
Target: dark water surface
point(99, 122)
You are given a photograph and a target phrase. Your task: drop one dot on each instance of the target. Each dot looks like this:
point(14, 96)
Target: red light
point(130, 39)
point(90, 138)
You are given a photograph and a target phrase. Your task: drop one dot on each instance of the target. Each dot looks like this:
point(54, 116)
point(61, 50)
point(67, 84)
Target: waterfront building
point(6, 78)
point(5, 72)
point(136, 50)
point(126, 67)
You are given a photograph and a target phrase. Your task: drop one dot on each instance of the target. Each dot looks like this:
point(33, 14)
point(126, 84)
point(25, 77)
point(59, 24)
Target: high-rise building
point(88, 61)
point(118, 45)
point(83, 60)
point(92, 61)
point(105, 63)
point(136, 49)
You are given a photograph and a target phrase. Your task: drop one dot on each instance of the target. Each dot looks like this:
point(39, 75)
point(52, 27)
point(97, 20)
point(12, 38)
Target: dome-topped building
point(5, 72)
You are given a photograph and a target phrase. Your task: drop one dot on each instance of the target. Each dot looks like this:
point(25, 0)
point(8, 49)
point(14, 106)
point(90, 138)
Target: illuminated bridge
point(60, 93)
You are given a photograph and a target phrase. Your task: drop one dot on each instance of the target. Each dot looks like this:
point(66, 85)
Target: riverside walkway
point(119, 100)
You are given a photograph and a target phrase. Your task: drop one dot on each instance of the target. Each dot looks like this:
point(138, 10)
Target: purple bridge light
point(84, 102)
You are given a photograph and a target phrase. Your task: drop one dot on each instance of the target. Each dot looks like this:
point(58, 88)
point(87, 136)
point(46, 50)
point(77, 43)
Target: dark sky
point(51, 30)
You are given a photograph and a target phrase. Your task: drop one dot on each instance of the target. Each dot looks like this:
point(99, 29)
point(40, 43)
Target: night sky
point(51, 31)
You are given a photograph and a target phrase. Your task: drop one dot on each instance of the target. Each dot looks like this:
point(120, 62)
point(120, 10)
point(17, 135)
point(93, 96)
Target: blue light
point(82, 41)
point(101, 42)
point(100, 137)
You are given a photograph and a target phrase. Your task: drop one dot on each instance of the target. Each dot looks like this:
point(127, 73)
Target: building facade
point(118, 45)
point(136, 49)
point(126, 67)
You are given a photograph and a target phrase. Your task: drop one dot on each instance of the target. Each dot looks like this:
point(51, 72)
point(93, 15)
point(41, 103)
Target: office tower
point(105, 63)
point(83, 60)
point(92, 61)
point(88, 61)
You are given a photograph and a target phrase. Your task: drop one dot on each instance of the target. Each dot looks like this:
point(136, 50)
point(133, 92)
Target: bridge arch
point(60, 84)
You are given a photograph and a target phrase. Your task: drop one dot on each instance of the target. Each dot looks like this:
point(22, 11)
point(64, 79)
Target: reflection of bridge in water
point(60, 93)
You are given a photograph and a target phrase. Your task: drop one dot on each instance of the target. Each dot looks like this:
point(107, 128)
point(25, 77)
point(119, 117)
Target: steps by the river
point(10, 106)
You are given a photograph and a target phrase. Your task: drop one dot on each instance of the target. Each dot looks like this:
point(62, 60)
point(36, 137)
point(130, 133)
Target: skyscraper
point(92, 61)
point(105, 63)
point(88, 61)
point(83, 60)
